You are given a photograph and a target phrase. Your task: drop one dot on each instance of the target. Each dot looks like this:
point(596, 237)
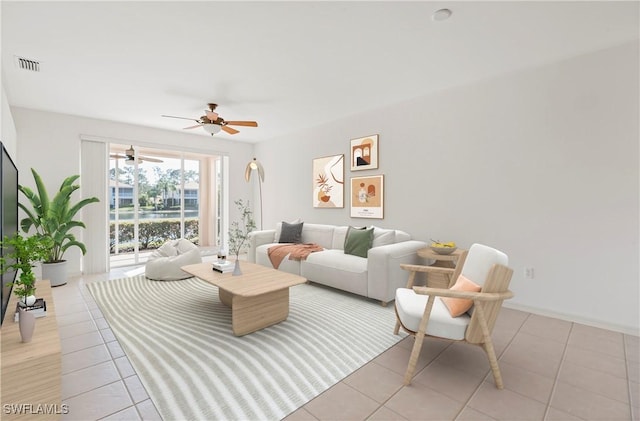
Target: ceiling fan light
point(211, 128)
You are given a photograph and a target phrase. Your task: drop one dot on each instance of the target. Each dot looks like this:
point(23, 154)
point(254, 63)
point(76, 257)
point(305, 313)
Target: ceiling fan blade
point(116, 156)
point(181, 118)
point(243, 123)
point(229, 130)
point(212, 116)
point(192, 127)
point(149, 159)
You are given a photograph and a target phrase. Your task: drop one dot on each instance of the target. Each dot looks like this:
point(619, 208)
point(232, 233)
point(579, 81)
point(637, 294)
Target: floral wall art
point(367, 197)
point(328, 182)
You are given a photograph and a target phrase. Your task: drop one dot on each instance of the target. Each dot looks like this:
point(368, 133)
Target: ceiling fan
point(212, 123)
point(130, 157)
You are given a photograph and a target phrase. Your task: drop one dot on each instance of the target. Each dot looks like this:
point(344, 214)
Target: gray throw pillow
point(358, 241)
point(291, 233)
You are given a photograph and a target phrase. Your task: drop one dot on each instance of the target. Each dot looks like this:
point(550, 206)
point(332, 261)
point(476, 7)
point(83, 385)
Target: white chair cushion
point(184, 246)
point(410, 307)
point(168, 249)
point(480, 260)
point(164, 263)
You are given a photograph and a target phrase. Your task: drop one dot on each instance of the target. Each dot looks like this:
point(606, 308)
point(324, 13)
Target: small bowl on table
point(443, 250)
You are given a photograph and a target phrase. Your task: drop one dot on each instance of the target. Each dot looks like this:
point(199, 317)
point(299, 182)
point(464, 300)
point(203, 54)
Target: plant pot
point(27, 324)
point(236, 269)
point(55, 272)
point(27, 301)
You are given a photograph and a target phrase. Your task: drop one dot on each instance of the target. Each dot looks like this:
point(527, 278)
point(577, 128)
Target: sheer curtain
point(94, 169)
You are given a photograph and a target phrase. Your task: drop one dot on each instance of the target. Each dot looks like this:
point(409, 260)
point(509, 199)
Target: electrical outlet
point(529, 273)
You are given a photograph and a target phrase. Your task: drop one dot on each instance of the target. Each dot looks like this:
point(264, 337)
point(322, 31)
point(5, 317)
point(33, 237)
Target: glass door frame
point(220, 182)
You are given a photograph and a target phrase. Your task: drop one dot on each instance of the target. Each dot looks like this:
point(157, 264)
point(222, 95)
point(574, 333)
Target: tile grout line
point(628, 368)
point(382, 405)
point(555, 380)
point(498, 357)
point(84, 292)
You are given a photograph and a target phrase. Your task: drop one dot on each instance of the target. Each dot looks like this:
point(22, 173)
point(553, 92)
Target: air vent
point(27, 64)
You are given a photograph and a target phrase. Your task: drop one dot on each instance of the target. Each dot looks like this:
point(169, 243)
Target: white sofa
point(377, 276)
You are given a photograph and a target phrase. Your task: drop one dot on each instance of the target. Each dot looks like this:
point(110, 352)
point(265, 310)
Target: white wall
point(541, 163)
point(50, 143)
point(8, 128)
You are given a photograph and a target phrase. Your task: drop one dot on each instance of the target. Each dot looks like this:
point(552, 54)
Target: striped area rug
point(178, 337)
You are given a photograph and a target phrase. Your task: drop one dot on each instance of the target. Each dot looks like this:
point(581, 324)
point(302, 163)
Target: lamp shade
point(211, 128)
point(254, 165)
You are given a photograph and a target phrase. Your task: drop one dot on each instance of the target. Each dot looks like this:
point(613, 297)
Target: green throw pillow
point(358, 241)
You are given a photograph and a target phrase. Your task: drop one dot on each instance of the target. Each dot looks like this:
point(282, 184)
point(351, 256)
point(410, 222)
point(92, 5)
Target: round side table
point(441, 260)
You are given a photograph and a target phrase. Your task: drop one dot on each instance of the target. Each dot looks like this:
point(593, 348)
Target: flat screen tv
point(9, 215)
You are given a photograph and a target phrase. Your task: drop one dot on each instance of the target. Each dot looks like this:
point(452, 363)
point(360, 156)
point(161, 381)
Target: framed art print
point(328, 182)
point(364, 153)
point(367, 197)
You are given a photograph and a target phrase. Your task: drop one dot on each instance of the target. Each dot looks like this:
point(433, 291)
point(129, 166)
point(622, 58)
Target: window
point(159, 195)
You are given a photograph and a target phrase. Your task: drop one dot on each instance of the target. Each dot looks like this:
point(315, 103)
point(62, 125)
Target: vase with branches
point(240, 230)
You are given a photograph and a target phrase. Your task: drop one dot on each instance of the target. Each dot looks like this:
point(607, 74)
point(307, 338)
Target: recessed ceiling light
point(441, 14)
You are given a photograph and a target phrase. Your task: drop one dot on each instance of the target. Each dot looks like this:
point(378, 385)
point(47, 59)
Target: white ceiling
point(287, 65)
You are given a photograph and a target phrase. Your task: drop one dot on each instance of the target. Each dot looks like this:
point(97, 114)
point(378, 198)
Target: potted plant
point(22, 254)
point(239, 232)
point(53, 219)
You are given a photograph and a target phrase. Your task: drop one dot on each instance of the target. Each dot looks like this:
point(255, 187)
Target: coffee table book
point(39, 309)
point(223, 267)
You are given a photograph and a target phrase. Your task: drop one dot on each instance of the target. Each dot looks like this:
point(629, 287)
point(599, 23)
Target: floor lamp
point(256, 165)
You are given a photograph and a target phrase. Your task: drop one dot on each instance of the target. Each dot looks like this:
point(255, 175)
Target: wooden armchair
point(419, 313)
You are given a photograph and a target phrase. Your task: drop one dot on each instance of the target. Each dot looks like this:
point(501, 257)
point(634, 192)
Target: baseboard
point(628, 330)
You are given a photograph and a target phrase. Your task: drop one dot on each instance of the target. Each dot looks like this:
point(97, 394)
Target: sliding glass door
point(158, 195)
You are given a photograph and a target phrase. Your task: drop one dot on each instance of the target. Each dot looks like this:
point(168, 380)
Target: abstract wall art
point(364, 153)
point(328, 182)
point(367, 197)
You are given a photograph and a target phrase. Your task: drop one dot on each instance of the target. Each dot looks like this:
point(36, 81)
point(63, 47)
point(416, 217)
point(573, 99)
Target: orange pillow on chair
point(459, 306)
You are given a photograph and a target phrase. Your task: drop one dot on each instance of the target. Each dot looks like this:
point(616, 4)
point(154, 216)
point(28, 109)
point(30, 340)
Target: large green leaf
point(53, 219)
point(42, 193)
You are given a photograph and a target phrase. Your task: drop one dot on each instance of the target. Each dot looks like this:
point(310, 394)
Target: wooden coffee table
point(258, 298)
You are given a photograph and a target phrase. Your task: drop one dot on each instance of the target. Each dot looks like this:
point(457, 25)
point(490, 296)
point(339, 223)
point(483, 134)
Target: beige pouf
point(164, 263)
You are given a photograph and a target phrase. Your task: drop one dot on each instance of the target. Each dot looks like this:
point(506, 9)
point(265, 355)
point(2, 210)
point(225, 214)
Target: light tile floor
point(552, 370)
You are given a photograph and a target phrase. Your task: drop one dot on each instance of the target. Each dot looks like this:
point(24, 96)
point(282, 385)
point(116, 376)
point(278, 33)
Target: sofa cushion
point(289, 266)
point(336, 259)
point(402, 236)
point(382, 237)
point(318, 234)
point(291, 233)
point(339, 235)
point(358, 241)
point(410, 307)
point(337, 270)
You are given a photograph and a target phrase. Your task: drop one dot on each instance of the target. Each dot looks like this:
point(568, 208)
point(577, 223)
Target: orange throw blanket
point(295, 251)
